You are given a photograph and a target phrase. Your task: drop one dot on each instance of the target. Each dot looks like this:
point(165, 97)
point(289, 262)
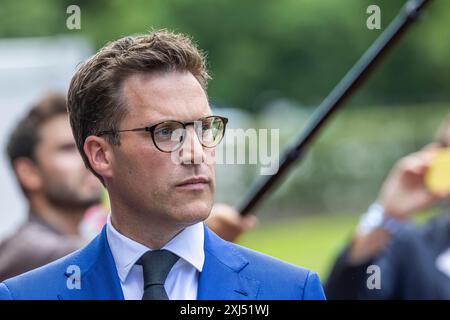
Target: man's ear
point(99, 154)
point(28, 174)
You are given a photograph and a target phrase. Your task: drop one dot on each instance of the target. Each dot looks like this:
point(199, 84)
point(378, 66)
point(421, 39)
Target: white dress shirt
point(182, 280)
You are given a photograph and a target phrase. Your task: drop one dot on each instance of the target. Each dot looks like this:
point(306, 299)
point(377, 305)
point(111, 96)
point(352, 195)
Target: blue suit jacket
point(229, 272)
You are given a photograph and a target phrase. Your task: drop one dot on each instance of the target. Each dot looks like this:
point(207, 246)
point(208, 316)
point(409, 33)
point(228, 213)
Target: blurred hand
point(228, 223)
point(404, 191)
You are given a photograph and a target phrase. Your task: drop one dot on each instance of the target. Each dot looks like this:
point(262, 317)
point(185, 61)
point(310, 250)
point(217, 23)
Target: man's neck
point(152, 234)
point(64, 220)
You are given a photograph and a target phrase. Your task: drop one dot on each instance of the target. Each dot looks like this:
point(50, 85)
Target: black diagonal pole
point(351, 81)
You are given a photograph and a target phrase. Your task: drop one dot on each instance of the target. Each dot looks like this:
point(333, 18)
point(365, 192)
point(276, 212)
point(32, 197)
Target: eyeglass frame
point(151, 128)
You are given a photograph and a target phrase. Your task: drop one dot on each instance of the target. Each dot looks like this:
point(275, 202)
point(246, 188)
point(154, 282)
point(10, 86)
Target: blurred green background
point(263, 49)
point(274, 62)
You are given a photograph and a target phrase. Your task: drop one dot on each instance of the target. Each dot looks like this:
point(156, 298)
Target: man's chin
point(89, 202)
point(192, 213)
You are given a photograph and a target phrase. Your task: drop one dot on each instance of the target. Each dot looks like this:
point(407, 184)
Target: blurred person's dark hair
point(94, 99)
point(25, 137)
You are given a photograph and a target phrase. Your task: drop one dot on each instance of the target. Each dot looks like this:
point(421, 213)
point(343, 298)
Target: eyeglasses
point(169, 136)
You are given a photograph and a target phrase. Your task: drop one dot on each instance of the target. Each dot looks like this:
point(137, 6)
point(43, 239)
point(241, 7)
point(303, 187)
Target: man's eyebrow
point(209, 114)
point(66, 145)
point(181, 120)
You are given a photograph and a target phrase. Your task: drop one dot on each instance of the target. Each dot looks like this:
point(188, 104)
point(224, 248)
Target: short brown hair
point(25, 136)
point(94, 101)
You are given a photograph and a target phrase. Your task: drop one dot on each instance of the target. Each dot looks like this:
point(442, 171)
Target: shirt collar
point(188, 245)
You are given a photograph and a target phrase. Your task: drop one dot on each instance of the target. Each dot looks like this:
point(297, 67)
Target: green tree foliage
point(265, 49)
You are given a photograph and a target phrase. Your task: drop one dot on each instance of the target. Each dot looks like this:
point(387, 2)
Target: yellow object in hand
point(437, 178)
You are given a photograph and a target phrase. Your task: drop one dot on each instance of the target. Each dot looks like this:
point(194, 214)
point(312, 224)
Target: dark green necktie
point(156, 265)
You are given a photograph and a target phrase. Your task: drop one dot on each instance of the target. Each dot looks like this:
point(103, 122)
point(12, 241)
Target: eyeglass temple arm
point(101, 133)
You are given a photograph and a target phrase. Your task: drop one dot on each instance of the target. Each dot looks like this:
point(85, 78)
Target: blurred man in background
point(390, 258)
point(57, 186)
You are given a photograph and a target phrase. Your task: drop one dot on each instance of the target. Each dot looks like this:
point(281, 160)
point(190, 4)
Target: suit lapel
point(99, 279)
point(220, 278)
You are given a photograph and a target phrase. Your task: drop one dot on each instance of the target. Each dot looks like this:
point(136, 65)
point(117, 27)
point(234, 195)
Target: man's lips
point(194, 183)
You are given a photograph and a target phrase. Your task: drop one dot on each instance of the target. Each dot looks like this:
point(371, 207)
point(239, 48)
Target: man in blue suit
point(142, 123)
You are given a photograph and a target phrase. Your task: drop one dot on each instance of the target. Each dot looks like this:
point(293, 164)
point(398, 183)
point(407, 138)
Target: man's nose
point(192, 152)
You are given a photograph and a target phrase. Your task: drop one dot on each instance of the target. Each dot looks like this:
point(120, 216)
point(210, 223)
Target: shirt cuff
point(375, 217)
